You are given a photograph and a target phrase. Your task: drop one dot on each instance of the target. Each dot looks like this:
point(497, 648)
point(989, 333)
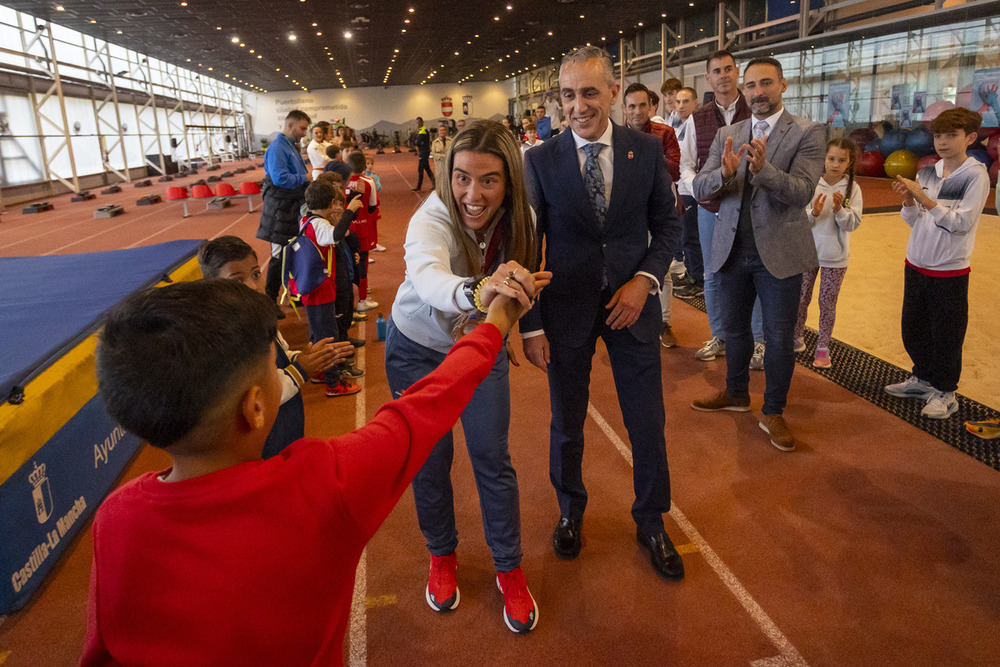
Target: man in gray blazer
point(762, 241)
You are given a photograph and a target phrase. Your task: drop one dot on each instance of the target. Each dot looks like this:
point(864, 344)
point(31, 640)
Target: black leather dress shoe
point(566, 538)
point(666, 561)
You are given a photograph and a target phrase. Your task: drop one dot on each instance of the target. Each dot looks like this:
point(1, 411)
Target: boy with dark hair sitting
point(232, 258)
point(326, 203)
point(226, 559)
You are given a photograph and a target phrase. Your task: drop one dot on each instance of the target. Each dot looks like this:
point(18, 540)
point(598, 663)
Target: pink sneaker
point(520, 612)
point(822, 359)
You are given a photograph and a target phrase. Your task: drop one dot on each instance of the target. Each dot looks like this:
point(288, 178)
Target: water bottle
point(380, 327)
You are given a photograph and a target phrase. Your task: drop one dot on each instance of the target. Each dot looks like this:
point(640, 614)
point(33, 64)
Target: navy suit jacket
point(641, 232)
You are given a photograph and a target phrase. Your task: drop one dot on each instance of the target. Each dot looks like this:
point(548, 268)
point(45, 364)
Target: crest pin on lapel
point(631, 155)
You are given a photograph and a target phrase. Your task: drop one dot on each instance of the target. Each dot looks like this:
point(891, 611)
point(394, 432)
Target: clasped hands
point(516, 283)
point(755, 151)
point(911, 192)
point(838, 203)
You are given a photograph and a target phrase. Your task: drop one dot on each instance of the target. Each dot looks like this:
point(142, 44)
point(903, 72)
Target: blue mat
point(49, 304)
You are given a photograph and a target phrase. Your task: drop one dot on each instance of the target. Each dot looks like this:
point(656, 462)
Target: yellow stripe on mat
point(58, 393)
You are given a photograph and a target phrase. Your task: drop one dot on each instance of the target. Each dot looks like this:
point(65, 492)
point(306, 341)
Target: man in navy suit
point(606, 212)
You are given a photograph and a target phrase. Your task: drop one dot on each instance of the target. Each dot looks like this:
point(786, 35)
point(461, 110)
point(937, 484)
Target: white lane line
point(226, 228)
point(128, 221)
point(358, 656)
point(789, 654)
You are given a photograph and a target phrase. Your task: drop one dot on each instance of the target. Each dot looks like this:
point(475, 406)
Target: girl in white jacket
point(835, 213)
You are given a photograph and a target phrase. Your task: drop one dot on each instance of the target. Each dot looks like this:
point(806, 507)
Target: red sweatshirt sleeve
point(377, 462)
point(672, 154)
point(95, 653)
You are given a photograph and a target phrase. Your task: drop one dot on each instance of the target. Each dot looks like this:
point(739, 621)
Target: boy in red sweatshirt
point(224, 558)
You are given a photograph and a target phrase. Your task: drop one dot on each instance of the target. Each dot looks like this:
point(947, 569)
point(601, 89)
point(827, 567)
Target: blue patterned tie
point(593, 181)
point(759, 128)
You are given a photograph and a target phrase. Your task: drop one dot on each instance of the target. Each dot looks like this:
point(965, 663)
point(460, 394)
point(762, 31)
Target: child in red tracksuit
point(365, 225)
point(224, 558)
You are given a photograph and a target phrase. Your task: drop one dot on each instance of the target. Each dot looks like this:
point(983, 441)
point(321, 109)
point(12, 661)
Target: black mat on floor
point(865, 375)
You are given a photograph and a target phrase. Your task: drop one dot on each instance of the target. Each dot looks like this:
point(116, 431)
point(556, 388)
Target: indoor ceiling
point(303, 44)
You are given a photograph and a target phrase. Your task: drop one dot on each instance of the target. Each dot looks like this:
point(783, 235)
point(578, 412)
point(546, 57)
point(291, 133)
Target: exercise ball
point(863, 136)
point(980, 154)
point(988, 132)
point(993, 146)
point(927, 161)
point(894, 140)
point(934, 109)
point(901, 163)
point(871, 164)
point(920, 141)
point(993, 172)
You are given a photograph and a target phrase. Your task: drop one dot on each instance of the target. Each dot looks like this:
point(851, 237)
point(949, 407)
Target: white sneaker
point(367, 304)
point(757, 360)
point(711, 349)
point(379, 247)
point(800, 344)
point(940, 405)
point(913, 387)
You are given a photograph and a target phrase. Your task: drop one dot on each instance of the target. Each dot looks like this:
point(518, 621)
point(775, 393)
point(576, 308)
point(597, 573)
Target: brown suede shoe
point(722, 401)
point(781, 437)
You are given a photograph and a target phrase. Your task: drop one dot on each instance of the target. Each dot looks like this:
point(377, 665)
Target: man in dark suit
point(606, 212)
point(762, 240)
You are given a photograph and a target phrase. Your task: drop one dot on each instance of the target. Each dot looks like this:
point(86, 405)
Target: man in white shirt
point(317, 148)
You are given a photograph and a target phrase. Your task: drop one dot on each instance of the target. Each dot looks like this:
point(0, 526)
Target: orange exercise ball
point(901, 163)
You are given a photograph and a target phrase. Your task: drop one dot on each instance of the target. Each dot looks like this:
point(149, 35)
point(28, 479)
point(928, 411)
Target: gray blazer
point(786, 184)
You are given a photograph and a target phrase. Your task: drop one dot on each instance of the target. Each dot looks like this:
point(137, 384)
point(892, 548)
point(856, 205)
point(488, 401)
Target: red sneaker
point(342, 388)
point(442, 586)
point(520, 612)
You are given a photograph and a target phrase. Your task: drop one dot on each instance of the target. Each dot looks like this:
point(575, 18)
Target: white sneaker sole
point(952, 409)
point(783, 448)
point(441, 610)
point(507, 620)
point(909, 394)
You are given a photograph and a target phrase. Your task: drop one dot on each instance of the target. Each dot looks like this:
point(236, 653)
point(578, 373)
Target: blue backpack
point(303, 263)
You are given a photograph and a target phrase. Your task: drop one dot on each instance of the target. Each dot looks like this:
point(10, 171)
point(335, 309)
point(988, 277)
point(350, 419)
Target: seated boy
point(943, 206)
point(326, 203)
point(226, 559)
point(232, 258)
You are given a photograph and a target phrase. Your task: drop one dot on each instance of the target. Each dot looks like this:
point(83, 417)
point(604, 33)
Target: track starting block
point(114, 189)
point(148, 200)
point(144, 183)
point(227, 174)
point(214, 167)
point(250, 168)
point(164, 179)
point(214, 179)
point(200, 181)
point(109, 211)
point(218, 203)
point(239, 171)
point(38, 208)
point(85, 195)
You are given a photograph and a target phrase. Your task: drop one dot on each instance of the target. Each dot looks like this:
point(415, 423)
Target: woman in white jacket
point(835, 213)
point(473, 234)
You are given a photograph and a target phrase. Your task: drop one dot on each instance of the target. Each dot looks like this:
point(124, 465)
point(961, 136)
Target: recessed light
point(496, 18)
point(60, 8)
point(93, 21)
point(347, 35)
point(411, 10)
point(406, 20)
point(292, 37)
point(314, 25)
point(550, 33)
point(319, 34)
point(184, 4)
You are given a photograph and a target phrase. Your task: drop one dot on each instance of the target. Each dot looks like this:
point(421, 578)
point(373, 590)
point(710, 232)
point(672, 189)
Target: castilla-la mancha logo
point(41, 494)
